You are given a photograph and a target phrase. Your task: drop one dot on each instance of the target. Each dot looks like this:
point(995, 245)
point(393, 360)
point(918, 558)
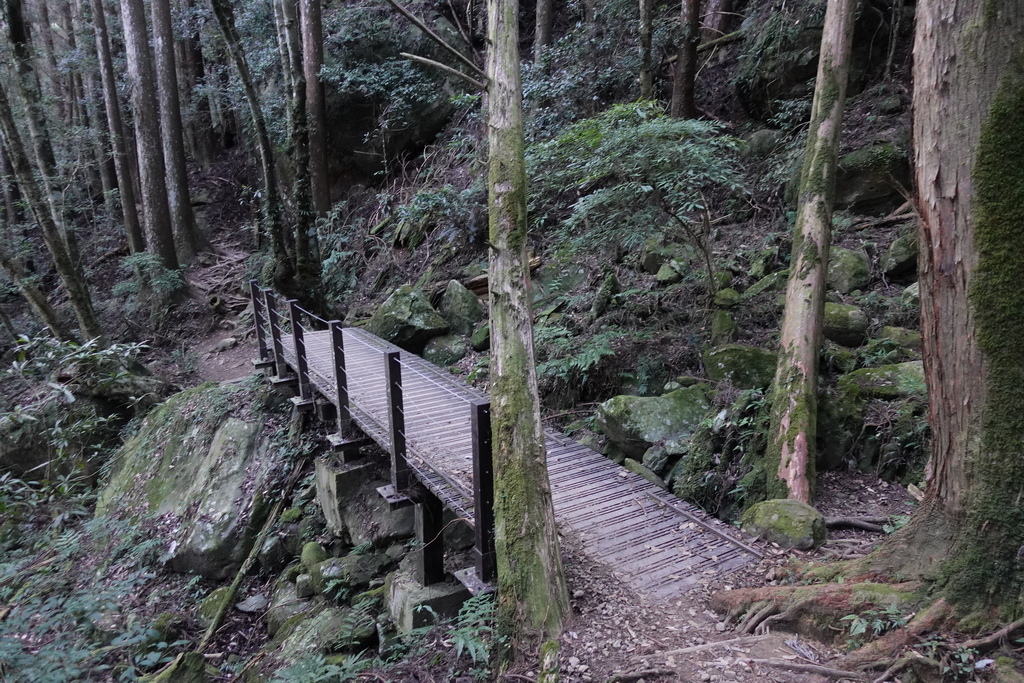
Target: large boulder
point(901, 259)
point(869, 180)
point(845, 324)
point(203, 465)
point(633, 424)
point(848, 270)
point(790, 523)
point(407, 319)
point(461, 308)
point(348, 495)
point(900, 380)
point(746, 367)
point(445, 350)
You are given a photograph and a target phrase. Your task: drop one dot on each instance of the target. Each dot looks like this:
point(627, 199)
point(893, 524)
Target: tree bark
point(33, 296)
point(545, 17)
point(969, 142)
point(646, 69)
point(532, 597)
point(683, 81)
point(155, 207)
point(791, 451)
point(112, 106)
point(316, 113)
point(188, 242)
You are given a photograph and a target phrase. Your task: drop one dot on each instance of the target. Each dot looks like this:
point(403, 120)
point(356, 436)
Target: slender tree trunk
point(33, 296)
point(283, 271)
point(28, 86)
point(683, 103)
point(155, 208)
point(532, 598)
point(67, 269)
point(200, 126)
point(122, 166)
point(545, 20)
point(312, 61)
point(646, 70)
point(50, 58)
point(188, 241)
point(791, 450)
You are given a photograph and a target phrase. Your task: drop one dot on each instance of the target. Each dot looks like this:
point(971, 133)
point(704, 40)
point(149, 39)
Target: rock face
point(844, 324)
point(868, 180)
point(445, 350)
point(746, 367)
point(201, 463)
point(789, 523)
point(901, 380)
point(848, 270)
point(461, 308)
point(724, 329)
point(407, 319)
point(348, 497)
point(900, 261)
point(634, 424)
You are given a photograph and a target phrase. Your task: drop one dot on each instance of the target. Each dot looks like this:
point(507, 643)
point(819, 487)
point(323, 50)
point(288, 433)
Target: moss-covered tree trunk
point(545, 19)
point(316, 113)
point(532, 598)
point(645, 37)
point(969, 142)
point(791, 451)
point(684, 105)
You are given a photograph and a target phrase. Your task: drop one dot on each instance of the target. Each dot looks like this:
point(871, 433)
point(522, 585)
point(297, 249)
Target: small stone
point(705, 676)
point(254, 603)
point(574, 661)
point(720, 627)
point(225, 344)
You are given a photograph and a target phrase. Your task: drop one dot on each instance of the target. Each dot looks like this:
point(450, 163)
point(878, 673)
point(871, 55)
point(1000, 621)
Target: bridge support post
point(274, 323)
point(260, 322)
point(340, 376)
point(301, 361)
point(430, 534)
point(483, 491)
point(400, 475)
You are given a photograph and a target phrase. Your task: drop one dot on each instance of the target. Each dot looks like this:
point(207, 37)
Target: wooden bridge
point(437, 431)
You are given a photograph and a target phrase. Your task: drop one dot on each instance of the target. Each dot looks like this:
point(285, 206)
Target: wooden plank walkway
point(658, 544)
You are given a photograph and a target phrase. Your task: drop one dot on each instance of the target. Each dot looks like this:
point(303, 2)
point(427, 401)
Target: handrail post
point(274, 322)
point(483, 490)
point(259, 319)
point(340, 375)
point(396, 420)
point(301, 362)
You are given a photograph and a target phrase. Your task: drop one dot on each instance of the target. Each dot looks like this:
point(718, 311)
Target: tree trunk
point(532, 598)
point(718, 17)
point(312, 61)
point(188, 242)
point(791, 450)
point(283, 271)
point(155, 208)
point(28, 86)
point(67, 269)
point(122, 167)
point(542, 34)
point(683, 103)
point(646, 69)
point(969, 141)
point(33, 296)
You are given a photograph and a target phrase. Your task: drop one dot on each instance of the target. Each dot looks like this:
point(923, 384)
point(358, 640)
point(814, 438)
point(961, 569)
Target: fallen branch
point(838, 674)
point(866, 523)
point(732, 642)
point(447, 69)
point(437, 39)
point(637, 675)
point(995, 638)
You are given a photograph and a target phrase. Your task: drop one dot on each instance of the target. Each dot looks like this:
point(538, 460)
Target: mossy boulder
point(900, 261)
point(724, 329)
point(789, 523)
point(845, 324)
point(761, 144)
point(313, 554)
point(445, 350)
point(727, 298)
point(634, 424)
point(201, 462)
point(900, 380)
point(285, 605)
point(911, 296)
point(645, 472)
point(327, 630)
point(481, 339)
point(769, 283)
point(909, 339)
point(848, 270)
point(351, 573)
point(461, 308)
point(407, 319)
point(745, 367)
point(869, 179)
point(667, 275)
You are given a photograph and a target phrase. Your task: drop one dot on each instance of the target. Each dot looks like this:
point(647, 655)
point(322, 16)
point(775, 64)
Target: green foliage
point(314, 668)
point(619, 177)
point(473, 632)
point(872, 624)
point(445, 209)
point(955, 663)
point(571, 357)
point(146, 274)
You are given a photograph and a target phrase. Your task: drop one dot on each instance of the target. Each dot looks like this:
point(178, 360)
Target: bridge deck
point(655, 542)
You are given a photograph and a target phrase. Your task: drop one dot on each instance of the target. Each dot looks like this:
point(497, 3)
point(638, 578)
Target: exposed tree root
point(880, 652)
point(828, 672)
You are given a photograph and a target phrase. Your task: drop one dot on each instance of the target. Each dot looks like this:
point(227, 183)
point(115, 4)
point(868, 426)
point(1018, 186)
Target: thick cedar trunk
point(683, 103)
point(969, 141)
point(112, 106)
point(791, 453)
point(316, 114)
point(63, 260)
point(532, 598)
point(646, 69)
point(187, 239)
point(155, 208)
point(718, 16)
point(224, 12)
point(542, 35)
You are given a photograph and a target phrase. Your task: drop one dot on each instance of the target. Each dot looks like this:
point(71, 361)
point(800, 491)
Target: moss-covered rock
point(461, 308)
point(910, 339)
point(848, 270)
point(911, 296)
point(769, 283)
point(745, 367)
point(481, 339)
point(790, 523)
point(845, 324)
point(761, 144)
point(901, 380)
point(667, 275)
point(407, 319)
point(727, 298)
point(286, 605)
point(869, 179)
point(201, 462)
point(635, 423)
point(639, 468)
point(445, 350)
point(724, 329)
point(900, 260)
point(351, 573)
point(312, 554)
point(327, 630)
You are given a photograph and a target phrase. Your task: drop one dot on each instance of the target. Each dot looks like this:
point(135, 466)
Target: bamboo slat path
point(437, 431)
